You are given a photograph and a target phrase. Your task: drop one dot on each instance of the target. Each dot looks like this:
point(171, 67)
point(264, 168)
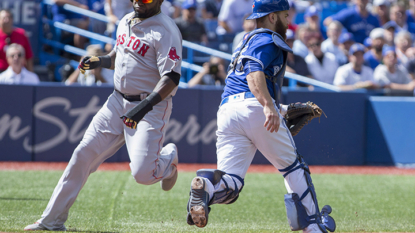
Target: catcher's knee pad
point(226, 196)
point(296, 213)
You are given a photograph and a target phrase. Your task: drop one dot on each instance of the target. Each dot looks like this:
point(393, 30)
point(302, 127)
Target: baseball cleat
point(327, 220)
point(198, 207)
point(168, 183)
point(39, 227)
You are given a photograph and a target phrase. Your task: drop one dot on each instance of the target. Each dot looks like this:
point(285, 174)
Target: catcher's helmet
point(264, 7)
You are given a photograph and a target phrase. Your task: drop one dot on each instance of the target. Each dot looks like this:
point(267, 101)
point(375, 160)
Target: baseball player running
point(147, 64)
point(249, 119)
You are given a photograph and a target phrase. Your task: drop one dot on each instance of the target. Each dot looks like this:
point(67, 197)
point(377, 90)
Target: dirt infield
point(193, 167)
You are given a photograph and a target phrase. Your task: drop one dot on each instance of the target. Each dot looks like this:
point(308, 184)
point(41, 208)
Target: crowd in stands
point(367, 44)
point(16, 57)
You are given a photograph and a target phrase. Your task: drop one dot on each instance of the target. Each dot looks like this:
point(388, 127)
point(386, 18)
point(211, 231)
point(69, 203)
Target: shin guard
point(296, 213)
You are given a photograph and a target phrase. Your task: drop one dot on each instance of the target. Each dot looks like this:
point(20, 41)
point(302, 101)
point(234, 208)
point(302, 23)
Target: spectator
point(332, 44)
point(248, 25)
point(321, 65)
point(295, 63)
point(410, 66)
point(304, 33)
point(312, 19)
point(17, 73)
point(211, 9)
point(97, 6)
point(389, 36)
point(230, 15)
point(346, 40)
point(368, 44)
point(410, 13)
point(177, 5)
point(95, 76)
point(392, 75)
point(374, 56)
point(356, 20)
point(192, 28)
point(167, 8)
point(291, 15)
point(381, 10)
point(74, 19)
point(410, 53)
point(116, 10)
point(213, 73)
point(398, 14)
point(10, 35)
point(355, 75)
point(403, 41)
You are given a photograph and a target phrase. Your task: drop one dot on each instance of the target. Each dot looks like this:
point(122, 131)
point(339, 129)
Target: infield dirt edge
point(254, 168)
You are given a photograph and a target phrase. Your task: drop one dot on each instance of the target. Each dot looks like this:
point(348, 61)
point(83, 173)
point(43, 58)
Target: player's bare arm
point(162, 90)
point(258, 86)
point(167, 84)
point(93, 62)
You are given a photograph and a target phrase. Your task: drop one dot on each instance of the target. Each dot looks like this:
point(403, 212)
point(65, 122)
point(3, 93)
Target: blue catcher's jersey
point(264, 47)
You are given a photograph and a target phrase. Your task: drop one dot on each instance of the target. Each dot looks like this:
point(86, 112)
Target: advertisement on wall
point(47, 122)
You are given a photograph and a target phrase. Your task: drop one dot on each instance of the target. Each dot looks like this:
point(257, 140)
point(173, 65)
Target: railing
point(81, 52)
point(191, 47)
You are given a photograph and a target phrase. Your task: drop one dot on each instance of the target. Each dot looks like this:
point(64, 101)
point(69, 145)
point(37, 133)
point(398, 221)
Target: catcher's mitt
point(299, 114)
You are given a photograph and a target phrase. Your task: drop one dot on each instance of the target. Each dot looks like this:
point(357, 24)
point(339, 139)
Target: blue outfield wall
point(338, 139)
point(391, 130)
point(46, 123)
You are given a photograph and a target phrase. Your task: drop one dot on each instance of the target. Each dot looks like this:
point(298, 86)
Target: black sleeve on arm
point(175, 77)
point(154, 98)
point(106, 61)
point(146, 105)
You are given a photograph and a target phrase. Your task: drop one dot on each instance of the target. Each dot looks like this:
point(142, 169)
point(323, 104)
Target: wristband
point(105, 61)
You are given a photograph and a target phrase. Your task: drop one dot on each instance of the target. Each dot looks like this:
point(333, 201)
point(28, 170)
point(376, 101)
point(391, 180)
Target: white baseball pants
point(150, 162)
point(240, 133)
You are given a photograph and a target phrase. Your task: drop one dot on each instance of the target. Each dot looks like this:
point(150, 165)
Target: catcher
point(249, 120)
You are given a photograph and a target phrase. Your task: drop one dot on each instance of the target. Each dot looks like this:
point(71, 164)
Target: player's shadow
point(22, 199)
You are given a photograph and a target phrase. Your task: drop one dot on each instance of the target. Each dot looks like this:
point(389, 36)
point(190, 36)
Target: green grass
point(113, 202)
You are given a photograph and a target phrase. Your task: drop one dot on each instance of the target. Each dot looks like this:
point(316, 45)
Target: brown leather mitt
point(299, 114)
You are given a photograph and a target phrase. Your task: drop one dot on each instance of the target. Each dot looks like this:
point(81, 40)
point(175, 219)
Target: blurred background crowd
point(351, 44)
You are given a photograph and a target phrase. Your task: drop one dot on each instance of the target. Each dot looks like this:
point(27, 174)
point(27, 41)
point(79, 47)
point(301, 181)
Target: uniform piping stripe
point(291, 138)
point(254, 59)
point(162, 135)
point(288, 133)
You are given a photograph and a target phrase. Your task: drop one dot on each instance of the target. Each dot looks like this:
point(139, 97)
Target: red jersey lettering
point(122, 39)
point(131, 39)
point(143, 50)
point(136, 44)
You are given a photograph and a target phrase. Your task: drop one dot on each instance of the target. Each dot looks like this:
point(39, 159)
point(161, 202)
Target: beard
point(378, 49)
point(146, 14)
point(280, 28)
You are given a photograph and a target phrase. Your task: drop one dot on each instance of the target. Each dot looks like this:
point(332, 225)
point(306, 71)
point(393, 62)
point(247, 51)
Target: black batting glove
point(89, 63)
